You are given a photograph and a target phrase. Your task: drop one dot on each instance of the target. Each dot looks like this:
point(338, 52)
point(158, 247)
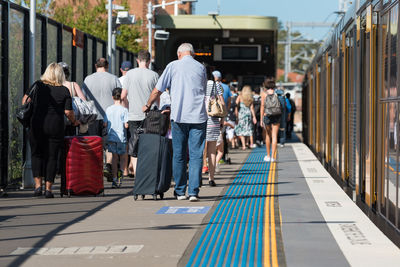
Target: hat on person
point(216, 74)
point(126, 65)
point(279, 91)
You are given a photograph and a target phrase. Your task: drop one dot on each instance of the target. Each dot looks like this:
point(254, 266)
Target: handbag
point(24, 112)
point(215, 108)
point(156, 122)
point(84, 111)
point(133, 143)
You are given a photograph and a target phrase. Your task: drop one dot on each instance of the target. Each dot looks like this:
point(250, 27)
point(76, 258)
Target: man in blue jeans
point(187, 80)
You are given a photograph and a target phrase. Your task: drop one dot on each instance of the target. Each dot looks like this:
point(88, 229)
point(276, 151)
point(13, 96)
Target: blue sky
point(285, 10)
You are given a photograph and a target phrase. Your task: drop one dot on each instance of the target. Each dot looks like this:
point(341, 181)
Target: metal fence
point(55, 42)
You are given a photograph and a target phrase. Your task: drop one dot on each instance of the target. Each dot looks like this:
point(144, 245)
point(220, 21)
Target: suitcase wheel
point(229, 161)
point(135, 197)
point(155, 197)
point(143, 196)
point(162, 196)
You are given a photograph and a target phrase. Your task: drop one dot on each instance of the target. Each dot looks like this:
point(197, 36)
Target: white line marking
point(93, 250)
point(362, 243)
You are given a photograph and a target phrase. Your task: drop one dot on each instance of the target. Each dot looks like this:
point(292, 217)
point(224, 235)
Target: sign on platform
point(183, 210)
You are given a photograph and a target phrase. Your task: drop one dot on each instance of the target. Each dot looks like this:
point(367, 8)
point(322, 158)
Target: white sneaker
point(181, 197)
point(267, 158)
point(273, 160)
point(193, 199)
point(217, 169)
point(282, 145)
point(253, 146)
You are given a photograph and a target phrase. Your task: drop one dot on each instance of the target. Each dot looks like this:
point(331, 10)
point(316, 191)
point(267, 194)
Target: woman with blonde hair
point(46, 131)
point(245, 116)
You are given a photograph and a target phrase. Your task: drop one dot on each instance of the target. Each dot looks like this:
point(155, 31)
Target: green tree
point(93, 20)
point(42, 6)
point(88, 18)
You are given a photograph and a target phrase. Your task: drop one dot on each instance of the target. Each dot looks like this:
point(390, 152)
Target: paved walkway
point(289, 213)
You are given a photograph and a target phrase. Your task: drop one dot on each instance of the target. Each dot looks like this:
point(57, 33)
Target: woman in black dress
point(46, 132)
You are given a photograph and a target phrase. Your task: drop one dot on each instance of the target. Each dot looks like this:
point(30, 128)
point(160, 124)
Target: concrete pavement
point(103, 231)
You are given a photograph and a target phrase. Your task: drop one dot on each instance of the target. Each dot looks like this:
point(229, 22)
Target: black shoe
point(107, 172)
point(48, 194)
point(212, 183)
point(37, 192)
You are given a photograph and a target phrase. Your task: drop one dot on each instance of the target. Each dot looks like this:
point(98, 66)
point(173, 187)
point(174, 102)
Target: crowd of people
point(200, 142)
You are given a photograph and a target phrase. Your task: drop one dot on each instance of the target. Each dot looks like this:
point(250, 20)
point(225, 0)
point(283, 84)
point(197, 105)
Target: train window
point(391, 160)
point(385, 58)
point(393, 52)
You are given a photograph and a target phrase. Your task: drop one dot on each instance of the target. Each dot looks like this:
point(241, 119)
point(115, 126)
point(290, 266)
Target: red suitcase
point(83, 166)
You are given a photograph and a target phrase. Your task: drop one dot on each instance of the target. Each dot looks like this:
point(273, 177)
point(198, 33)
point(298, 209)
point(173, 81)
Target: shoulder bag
point(85, 111)
point(215, 108)
point(24, 112)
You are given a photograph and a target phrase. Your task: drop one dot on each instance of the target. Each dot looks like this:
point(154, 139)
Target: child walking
point(116, 121)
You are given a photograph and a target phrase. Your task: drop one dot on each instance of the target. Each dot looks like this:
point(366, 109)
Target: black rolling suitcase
point(154, 166)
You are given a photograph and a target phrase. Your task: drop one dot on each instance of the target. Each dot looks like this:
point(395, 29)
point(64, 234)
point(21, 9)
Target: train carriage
point(351, 108)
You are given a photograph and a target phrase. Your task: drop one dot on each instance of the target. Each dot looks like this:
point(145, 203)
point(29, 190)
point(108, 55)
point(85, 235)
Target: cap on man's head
point(126, 65)
point(216, 74)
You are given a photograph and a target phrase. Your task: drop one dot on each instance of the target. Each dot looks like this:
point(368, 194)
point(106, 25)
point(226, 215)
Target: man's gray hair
point(186, 47)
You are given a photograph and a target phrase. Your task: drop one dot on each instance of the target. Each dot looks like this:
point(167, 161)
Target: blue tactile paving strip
point(234, 234)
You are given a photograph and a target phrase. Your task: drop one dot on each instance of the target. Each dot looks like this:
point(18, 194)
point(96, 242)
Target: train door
point(347, 67)
point(311, 113)
point(328, 104)
point(361, 58)
point(317, 110)
point(3, 116)
point(342, 105)
point(352, 126)
point(309, 108)
point(314, 108)
point(322, 109)
point(368, 98)
point(336, 109)
point(389, 106)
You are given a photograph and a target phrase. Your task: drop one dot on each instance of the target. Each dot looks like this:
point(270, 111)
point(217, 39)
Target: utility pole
point(289, 40)
point(109, 40)
point(288, 52)
point(27, 181)
point(149, 17)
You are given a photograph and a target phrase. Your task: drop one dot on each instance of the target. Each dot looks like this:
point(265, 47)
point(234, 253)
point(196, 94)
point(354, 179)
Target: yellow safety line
point(273, 232)
point(267, 258)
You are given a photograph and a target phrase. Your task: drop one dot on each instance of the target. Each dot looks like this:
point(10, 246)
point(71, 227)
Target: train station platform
point(287, 213)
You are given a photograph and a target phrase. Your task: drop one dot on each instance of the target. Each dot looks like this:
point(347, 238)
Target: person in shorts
point(271, 123)
point(116, 121)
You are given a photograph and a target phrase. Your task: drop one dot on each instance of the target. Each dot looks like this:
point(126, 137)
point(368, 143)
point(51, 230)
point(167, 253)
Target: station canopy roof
point(197, 22)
